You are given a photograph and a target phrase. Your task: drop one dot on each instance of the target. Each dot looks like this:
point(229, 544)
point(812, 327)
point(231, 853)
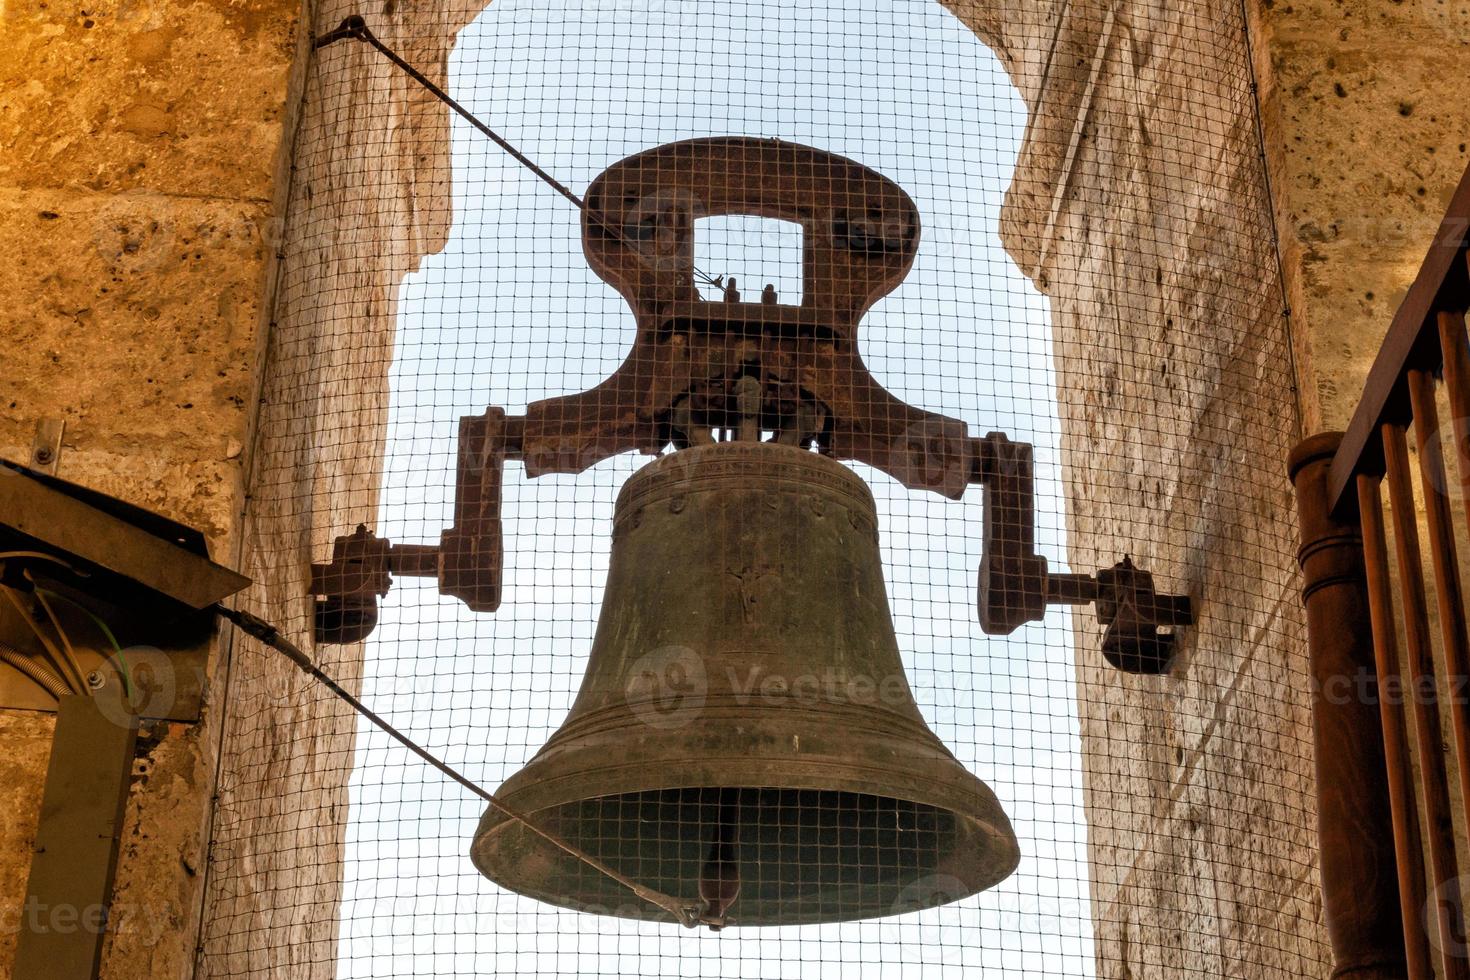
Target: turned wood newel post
point(1355, 826)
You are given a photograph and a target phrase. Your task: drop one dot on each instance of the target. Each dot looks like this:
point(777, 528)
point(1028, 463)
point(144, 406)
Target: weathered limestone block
point(1366, 137)
point(185, 99)
point(1207, 896)
point(27, 739)
point(139, 332)
point(1138, 206)
point(162, 863)
point(140, 149)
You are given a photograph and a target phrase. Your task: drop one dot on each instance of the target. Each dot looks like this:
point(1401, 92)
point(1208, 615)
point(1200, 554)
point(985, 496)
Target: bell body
point(745, 736)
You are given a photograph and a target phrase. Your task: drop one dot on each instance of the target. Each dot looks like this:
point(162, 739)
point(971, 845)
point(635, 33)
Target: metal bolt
point(43, 455)
point(95, 680)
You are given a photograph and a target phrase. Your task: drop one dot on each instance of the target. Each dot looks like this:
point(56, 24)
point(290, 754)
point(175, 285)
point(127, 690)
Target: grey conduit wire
point(34, 669)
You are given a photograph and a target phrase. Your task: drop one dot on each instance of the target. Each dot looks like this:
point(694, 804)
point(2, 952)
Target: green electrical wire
point(122, 662)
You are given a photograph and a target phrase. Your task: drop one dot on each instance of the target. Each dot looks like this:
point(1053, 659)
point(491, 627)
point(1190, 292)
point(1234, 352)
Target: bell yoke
point(744, 737)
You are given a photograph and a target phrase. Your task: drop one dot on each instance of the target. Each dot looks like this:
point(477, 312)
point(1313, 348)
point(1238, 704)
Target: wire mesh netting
point(886, 230)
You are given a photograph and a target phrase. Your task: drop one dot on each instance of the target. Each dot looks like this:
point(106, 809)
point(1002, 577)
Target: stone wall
point(369, 198)
point(1367, 135)
point(142, 150)
point(1139, 207)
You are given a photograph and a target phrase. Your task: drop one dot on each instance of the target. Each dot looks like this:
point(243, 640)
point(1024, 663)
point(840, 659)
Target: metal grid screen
point(1093, 275)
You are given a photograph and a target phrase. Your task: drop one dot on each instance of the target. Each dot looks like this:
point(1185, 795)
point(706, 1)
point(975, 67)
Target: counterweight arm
point(1015, 586)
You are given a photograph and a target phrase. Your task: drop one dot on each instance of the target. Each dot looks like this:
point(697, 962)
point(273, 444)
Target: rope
point(268, 634)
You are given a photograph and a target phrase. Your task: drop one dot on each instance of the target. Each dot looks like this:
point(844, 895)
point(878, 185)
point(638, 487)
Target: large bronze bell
point(745, 737)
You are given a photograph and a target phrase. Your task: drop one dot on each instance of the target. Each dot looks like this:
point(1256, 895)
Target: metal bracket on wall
point(131, 588)
point(1016, 586)
point(46, 445)
point(94, 565)
point(69, 893)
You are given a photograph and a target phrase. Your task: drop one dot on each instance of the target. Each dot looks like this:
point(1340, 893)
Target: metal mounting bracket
point(46, 446)
point(701, 371)
point(69, 892)
point(104, 561)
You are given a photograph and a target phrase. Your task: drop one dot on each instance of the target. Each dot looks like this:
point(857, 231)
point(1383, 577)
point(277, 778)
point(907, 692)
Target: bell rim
point(968, 799)
point(819, 781)
point(998, 861)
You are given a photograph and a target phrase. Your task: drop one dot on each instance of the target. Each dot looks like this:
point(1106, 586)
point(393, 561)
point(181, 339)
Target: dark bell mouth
point(756, 856)
point(734, 564)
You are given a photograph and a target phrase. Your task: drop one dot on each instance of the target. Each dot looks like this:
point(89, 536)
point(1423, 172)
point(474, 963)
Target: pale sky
point(510, 312)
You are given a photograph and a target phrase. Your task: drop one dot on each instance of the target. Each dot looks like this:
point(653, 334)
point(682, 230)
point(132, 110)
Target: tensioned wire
point(356, 27)
point(272, 637)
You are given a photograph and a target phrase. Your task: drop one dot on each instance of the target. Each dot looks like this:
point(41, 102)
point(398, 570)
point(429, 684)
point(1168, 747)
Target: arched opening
point(1137, 203)
point(509, 312)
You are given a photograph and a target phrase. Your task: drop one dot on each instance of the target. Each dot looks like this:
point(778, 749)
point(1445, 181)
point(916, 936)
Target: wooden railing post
point(1355, 826)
